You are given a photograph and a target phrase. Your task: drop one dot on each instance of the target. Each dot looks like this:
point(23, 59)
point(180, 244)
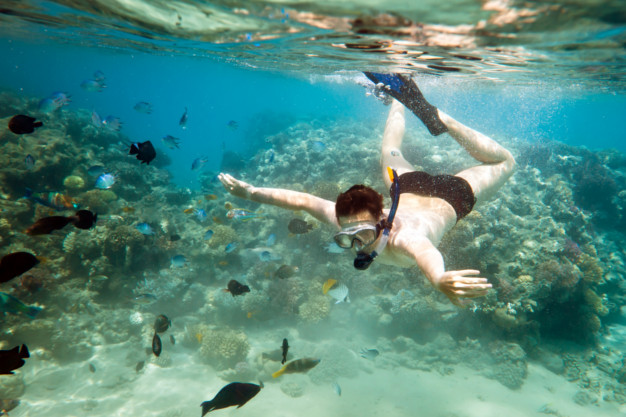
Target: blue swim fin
point(403, 88)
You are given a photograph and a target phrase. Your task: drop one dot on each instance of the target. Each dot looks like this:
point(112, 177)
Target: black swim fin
point(403, 88)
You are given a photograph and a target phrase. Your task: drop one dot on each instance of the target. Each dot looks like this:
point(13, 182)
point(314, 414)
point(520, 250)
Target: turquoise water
point(546, 82)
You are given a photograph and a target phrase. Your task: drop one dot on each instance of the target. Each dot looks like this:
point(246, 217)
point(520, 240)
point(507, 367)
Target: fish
point(242, 214)
point(328, 285)
point(143, 107)
point(105, 181)
point(98, 278)
point(199, 163)
point(112, 123)
point(22, 124)
point(162, 323)
point(172, 340)
point(231, 247)
point(189, 210)
point(156, 345)
point(183, 119)
point(15, 264)
point(299, 226)
point(170, 141)
point(52, 199)
point(128, 209)
point(270, 155)
point(139, 366)
point(223, 263)
point(318, 146)
point(369, 353)
point(95, 170)
point(144, 229)
point(235, 393)
point(178, 261)
point(54, 102)
point(200, 214)
point(96, 120)
point(265, 256)
point(92, 368)
point(144, 299)
point(175, 237)
point(99, 75)
point(286, 271)
point(340, 293)
point(271, 239)
point(144, 150)
point(13, 359)
point(47, 105)
point(297, 366)
point(10, 304)
point(84, 219)
point(228, 205)
point(210, 197)
point(232, 125)
point(337, 388)
point(93, 86)
point(235, 287)
point(29, 162)
point(285, 348)
point(208, 234)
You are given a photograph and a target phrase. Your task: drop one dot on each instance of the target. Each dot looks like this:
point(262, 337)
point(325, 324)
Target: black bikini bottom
point(455, 190)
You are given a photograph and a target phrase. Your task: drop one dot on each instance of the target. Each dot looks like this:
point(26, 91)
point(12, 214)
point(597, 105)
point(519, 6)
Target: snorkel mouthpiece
point(363, 260)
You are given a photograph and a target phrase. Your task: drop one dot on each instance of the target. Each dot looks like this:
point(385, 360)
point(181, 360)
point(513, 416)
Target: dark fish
point(183, 119)
point(175, 237)
point(172, 340)
point(29, 161)
point(237, 288)
point(156, 345)
point(47, 225)
point(162, 323)
point(235, 393)
point(286, 271)
point(285, 350)
point(145, 151)
point(92, 368)
point(15, 264)
point(298, 226)
point(85, 219)
point(139, 366)
point(12, 359)
point(298, 365)
point(21, 124)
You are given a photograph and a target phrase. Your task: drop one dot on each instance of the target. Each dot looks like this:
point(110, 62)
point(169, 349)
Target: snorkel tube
point(363, 260)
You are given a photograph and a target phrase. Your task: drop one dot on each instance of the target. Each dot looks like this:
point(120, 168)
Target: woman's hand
point(235, 187)
point(456, 285)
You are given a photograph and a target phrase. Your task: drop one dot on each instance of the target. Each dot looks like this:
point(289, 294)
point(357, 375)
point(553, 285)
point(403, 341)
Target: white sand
point(116, 390)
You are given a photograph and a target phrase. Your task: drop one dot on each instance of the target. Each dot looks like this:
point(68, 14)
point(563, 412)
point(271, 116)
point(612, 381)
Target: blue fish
point(233, 125)
point(199, 163)
point(265, 256)
point(208, 235)
point(270, 156)
point(112, 123)
point(200, 214)
point(98, 75)
point(271, 239)
point(93, 86)
point(170, 141)
point(144, 299)
point(318, 146)
point(183, 119)
point(144, 229)
point(29, 161)
point(47, 105)
point(230, 247)
point(178, 261)
point(95, 170)
point(105, 181)
point(10, 304)
point(143, 107)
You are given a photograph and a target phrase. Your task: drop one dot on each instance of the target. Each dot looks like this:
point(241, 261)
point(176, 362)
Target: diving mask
point(363, 235)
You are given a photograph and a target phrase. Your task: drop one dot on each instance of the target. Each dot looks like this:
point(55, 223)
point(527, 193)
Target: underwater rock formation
point(222, 348)
point(315, 309)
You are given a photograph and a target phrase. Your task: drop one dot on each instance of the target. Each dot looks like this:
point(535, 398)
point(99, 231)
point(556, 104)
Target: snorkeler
point(424, 206)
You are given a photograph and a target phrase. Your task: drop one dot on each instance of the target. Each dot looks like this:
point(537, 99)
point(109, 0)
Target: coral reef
point(315, 309)
point(222, 348)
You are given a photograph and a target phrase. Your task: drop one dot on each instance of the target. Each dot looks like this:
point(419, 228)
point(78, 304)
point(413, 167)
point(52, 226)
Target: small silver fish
point(183, 119)
point(340, 293)
point(369, 353)
point(144, 299)
point(170, 141)
point(29, 161)
point(337, 388)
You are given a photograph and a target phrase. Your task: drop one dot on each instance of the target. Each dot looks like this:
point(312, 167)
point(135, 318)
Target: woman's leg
point(391, 155)
point(498, 163)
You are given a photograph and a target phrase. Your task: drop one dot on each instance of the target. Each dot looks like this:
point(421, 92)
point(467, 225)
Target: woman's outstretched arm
point(322, 210)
